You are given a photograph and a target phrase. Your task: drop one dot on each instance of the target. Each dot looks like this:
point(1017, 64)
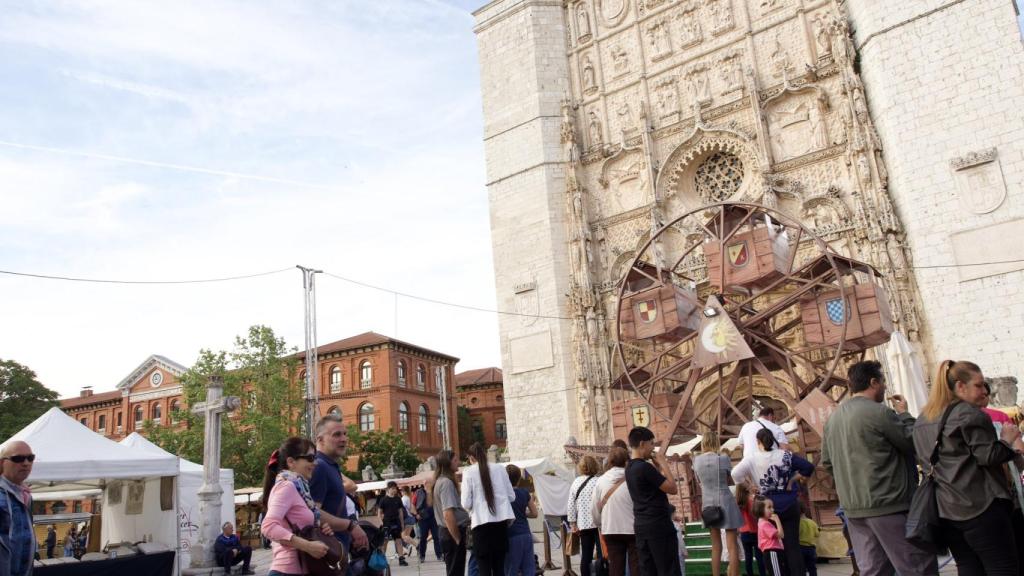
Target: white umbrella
point(906, 376)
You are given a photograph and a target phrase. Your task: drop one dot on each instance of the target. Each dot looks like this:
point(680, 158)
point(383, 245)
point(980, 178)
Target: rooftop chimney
point(86, 391)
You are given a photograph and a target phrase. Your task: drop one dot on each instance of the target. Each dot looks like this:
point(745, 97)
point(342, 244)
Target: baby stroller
point(359, 560)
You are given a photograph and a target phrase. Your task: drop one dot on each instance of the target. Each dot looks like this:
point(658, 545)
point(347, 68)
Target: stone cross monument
point(210, 493)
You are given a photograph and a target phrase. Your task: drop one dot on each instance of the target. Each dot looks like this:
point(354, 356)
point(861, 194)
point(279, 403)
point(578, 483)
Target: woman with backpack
point(580, 507)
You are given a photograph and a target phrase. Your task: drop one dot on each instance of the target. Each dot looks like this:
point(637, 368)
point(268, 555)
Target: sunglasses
point(307, 457)
point(21, 458)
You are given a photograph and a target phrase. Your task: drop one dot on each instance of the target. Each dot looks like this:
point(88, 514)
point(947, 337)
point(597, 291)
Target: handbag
point(923, 517)
point(713, 515)
point(334, 563)
point(378, 562)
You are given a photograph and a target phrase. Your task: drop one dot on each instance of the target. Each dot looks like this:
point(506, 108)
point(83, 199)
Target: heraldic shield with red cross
point(647, 310)
point(738, 254)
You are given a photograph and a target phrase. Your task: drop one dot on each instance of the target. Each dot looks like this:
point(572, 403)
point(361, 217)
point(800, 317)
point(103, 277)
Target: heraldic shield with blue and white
point(836, 311)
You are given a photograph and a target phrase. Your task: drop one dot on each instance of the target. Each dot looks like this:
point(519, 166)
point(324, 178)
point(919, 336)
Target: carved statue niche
point(624, 177)
point(601, 408)
point(730, 72)
point(822, 34)
point(589, 76)
point(666, 97)
point(582, 23)
point(620, 60)
point(780, 60)
point(700, 85)
point(625, 119)
point(586, 413)
point(594, 127)
point(690, 32)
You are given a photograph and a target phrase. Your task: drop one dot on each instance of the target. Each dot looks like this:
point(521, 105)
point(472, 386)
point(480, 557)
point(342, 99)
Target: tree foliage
point(261, 371)
point(376, 448)
point(22, 397)
point(466, 432)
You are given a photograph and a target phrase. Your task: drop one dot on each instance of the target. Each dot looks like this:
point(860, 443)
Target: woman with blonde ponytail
point(973, 500)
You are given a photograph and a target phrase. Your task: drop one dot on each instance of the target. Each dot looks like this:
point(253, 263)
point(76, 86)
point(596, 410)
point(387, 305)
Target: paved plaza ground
point(434, 567)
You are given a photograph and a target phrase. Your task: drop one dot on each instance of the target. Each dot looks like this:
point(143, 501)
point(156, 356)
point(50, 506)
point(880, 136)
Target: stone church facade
point(893, 130)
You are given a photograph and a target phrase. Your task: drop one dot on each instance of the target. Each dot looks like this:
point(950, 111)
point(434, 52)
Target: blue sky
point(169, 140)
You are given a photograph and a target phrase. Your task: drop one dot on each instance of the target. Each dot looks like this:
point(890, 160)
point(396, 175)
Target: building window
point(366, 421)
point(401, 373)
point(335, 380)
point(175, 411)
point(120, 423)
point(157, 409)
point(335, 411)
point(719, 177)
point(421, 377)
point(478, 430)
point(423, 417)
point(139, 414)
point(498, 398)
point(77, 507)
point(403, 416)
point(84, 421)
point(101, 426)
point(365, 374)
point(439, 378)
point(500, 429)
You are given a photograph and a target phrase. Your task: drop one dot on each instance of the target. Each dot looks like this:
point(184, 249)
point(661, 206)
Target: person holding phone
point(650, 481)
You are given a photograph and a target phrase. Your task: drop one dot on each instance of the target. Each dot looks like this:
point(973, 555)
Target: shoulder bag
point(334, 563)
point(713, 515)
point(923, 516)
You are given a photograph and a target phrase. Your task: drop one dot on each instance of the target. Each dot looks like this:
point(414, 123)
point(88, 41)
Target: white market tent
point(69, 457)
point(190, 480)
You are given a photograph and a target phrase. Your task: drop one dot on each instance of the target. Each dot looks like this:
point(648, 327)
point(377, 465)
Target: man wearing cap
point(17, 539)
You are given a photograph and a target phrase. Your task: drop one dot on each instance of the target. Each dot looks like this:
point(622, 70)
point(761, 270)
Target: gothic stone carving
point(721, 16)
point(700, 84)
point(657, 36)
point(583, 28)
point(666, 98)
point(612, 12)
point(690, 32)
point(979, 181)
point(797, 126)
point(589, 79)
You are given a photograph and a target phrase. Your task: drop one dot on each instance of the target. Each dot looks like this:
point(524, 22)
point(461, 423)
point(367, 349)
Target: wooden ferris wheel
point(735, 301)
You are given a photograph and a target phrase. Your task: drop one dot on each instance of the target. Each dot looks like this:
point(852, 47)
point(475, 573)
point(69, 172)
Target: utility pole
point(312, 382)
point(442, 385)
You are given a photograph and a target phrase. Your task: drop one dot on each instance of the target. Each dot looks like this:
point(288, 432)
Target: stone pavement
point(432, 567)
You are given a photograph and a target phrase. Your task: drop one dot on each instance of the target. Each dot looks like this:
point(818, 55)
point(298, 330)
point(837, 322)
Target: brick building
point(151, 392)
point(481, 393)
point(380, 383)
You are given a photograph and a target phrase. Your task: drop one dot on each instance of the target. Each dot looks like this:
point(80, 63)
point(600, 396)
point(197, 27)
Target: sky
point(203, 139)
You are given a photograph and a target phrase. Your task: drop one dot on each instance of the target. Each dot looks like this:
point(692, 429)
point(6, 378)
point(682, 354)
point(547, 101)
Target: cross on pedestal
point(210, 494)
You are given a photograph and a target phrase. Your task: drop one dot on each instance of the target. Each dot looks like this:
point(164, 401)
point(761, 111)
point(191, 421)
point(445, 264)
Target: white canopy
point(189, 483)
point(550, 482)
point(70, 456)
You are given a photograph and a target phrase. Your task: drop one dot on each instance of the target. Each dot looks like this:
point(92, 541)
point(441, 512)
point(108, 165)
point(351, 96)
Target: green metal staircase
point(698, 551)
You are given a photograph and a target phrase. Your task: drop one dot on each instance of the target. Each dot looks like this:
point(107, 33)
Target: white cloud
point(376, 101)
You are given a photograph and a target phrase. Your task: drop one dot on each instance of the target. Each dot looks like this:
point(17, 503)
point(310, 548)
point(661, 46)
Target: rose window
point(719, 177)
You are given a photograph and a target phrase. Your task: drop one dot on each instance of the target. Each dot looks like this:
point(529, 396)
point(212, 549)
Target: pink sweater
point(283, 506)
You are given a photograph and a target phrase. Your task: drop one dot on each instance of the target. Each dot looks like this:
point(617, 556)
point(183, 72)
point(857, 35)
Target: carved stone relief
point(781, 62)
point(666, 98)
point(979, 181)
point(689, 29)
point(625, 182)
point(721, 14)
point(822, 34)
point(797, 126)
point(730, 72)
point(620, 61)
point(770, 5)
point(700, 84)
point(658, 40)
point(594, 130)
point(612, 12)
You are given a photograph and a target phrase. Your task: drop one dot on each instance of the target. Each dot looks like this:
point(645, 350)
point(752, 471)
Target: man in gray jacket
point(869, 450)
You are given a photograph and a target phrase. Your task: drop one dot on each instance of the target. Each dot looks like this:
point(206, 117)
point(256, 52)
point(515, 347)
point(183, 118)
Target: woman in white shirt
point(613, 511)
point(487, 495)
point(580, 507)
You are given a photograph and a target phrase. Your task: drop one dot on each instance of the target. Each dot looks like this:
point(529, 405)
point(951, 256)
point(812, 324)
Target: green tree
point(377, 447)
point(261, 371)
point(466, 435)
point(22, 397)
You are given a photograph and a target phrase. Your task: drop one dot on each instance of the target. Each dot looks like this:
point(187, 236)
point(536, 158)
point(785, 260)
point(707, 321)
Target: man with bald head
point(17, 539)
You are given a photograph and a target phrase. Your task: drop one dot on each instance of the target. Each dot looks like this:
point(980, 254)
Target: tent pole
point(177, 518)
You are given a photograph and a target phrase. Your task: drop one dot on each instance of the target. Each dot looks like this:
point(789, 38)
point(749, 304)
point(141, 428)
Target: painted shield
point(641, 416)
point(836, 311)
point(738, 254)
point(647, 311)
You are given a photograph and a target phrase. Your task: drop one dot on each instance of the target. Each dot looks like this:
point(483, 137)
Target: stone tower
point(604, 119)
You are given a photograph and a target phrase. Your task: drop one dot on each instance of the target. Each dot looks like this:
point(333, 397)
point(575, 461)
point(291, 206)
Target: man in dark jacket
point(17, 539)
point(229, 550)
point(51, 540)
point(427, 524)
point(869, 450)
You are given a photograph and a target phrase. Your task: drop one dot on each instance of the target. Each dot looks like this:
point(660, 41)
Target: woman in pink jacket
point(286, 502)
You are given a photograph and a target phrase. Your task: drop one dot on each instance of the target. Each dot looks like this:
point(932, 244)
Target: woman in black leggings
point(487, 495)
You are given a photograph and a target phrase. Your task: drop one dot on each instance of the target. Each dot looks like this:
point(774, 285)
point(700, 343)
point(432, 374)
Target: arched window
point(401, 373)
point(175, 411)
point(365, 374)
point(500, 429)
point(139, 415)
point(403, 416)
point(335, 380)
point(423, 417)
point(366, 420)
point(157, 412)
point(335, 411)
point(421, 377)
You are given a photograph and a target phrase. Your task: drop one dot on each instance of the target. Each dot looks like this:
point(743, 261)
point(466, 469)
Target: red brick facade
point(481, 392)
point(400, 383)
